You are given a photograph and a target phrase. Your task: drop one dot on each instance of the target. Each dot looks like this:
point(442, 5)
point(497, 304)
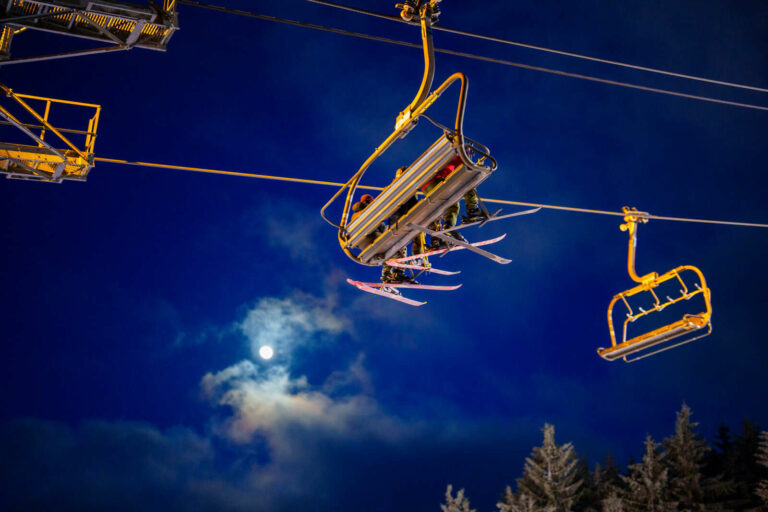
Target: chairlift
point(690, 282)
point(361, 233)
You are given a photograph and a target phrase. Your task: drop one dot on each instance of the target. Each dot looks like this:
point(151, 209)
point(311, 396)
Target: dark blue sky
point(131, 304)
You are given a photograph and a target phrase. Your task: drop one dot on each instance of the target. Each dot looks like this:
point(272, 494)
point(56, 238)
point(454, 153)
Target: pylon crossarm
point(43, 121)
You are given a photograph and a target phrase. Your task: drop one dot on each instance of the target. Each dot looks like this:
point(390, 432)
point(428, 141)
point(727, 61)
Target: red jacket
point(444, 172)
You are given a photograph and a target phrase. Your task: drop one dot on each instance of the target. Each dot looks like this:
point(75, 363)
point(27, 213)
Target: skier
point(359, 206)
point(451, 215)
point(390, 275)
point(393, 275)
point(357, 209)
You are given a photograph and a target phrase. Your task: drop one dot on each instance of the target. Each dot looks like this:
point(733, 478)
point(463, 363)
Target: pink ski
point(413, 286)
point(389, 295)
point(396, 263)
point(442, 251)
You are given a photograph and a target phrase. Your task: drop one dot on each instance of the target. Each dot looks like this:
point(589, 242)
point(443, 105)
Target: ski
point(396, 263)
point(443, 251)
point(491, 218)
point(414, 286)
point(389, 295)
point(472, 247)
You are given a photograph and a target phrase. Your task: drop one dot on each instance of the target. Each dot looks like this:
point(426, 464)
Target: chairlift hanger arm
point(353, 182)
point(429, 62)
point(355, 179)
point(632, 218)
point(406, 120)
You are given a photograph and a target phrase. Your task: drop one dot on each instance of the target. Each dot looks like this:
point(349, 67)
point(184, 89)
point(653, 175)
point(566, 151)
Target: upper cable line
point(482, 58)
point(544, 49)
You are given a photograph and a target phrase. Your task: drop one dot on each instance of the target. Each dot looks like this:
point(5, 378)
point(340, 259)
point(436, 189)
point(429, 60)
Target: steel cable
point(470, 55)
point(365, 187)
point(542, 48)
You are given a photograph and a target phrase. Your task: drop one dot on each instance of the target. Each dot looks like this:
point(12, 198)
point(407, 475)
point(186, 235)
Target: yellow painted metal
point(405, 121)
point(6, 36)
point(116, 22)
point(54, 158)
point(689, 328)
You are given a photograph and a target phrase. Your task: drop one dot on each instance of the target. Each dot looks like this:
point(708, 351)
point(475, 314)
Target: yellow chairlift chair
point(476, 166)
point(685, 330)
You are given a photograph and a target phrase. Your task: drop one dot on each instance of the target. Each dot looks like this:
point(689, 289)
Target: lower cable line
point(368, 187)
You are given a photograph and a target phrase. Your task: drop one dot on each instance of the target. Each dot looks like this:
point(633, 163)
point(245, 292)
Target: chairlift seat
point(688, 324)
point(429, 208)
point(689, 328)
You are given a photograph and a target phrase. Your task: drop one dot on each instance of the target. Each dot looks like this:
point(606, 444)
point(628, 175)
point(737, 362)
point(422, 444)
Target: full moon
point(266, 352)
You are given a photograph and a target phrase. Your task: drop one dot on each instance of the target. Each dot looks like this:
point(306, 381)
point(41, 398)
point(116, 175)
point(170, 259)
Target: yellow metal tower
point(54, 157)
point(123, 26)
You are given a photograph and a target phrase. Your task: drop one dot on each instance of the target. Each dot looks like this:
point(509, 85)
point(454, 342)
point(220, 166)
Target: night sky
point(132, 306)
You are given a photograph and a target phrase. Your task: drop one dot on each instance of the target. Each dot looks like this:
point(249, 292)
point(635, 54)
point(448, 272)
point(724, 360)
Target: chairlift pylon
point(685, 330)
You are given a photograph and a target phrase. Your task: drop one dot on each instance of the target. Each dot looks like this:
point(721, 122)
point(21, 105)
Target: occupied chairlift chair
point(356, 235)
point(54, 157)
point(689, 328)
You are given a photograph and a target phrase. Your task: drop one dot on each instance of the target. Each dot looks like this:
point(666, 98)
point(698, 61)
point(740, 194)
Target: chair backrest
point(684, 330)
point(428, 208)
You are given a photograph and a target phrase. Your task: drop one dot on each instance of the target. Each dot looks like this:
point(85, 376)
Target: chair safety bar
point(689, 328)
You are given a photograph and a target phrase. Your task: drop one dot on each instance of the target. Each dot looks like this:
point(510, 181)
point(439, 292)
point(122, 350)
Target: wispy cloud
point(270, 402)
point(284, 324)
point(294, 230)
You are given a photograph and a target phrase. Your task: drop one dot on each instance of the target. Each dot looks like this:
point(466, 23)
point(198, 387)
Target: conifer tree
point(457, 504)
point(606, 478)
point(549, 475)
point(746, 468)
point(721, 460)
point(513, 502)
point(588, 500)
point(762, 459)
point(685, 455)
point(647, 484)
point(613, 503)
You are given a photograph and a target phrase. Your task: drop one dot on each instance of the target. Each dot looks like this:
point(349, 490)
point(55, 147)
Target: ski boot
point(392, 275)
point(474, 214)
point(458, 236)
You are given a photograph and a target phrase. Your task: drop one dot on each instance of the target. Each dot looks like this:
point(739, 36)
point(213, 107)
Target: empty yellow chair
point(688, 328)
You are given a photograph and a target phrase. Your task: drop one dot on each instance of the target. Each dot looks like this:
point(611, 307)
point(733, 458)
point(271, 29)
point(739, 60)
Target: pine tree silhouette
point(613, 503)
point(746, 468)
point(513, 502)
point(648, 484)
point(685, 455)
point(457, 504)
point(549, 475)
point(762, 459)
